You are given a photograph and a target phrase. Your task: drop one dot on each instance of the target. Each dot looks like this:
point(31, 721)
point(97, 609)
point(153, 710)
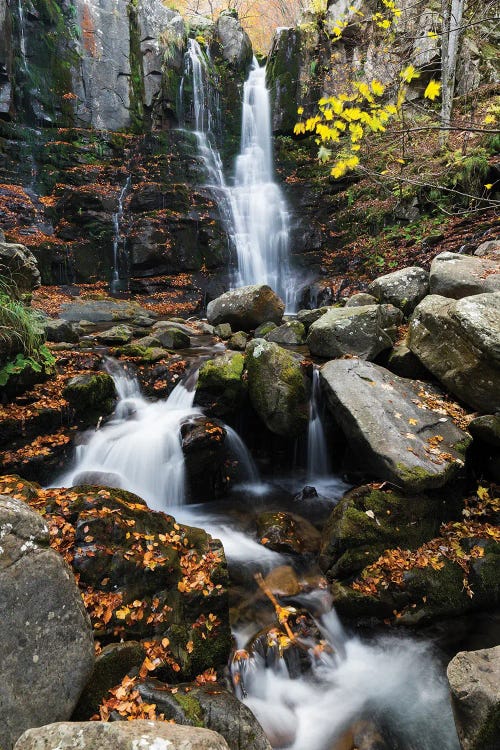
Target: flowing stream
point(391, 684)
point(117, 220)
point(252, 207)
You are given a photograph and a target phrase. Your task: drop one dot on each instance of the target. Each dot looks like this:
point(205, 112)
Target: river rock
point(46, 638)
point(203, 444)
point(120, 735)
point(486, 429)
point(490, 249)
point(115, 336)
point(368, 521)
point(474, 678)
point(404, 363)
point(277, 388)
point(19, 266)
point(457, 276)
point(387, 434)
point(220, 388)
point(212, 707)
point(287, 532)
point(246, 308)
point(101, 311)
point(172, 338)
point(58, 330)
point(403, 289)
point(362, 331)
point(235, 42)
point(92, 394)
point(360, 299)
point(265, 328)
point(238, 341)
point(308, 317)
point(291, 333)
point(459, 342)
point(223, 331)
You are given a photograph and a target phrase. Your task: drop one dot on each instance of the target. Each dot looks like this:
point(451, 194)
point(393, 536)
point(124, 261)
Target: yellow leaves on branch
point(409, 74)
point(433, 90)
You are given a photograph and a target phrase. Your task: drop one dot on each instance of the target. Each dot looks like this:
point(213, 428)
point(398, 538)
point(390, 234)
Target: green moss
point(136, 73)
point(191, 708)
point(417, 479)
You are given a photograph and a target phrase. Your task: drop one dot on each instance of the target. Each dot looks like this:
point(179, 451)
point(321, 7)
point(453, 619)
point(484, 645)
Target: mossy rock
point(221, 389)
point(144, 353)
point(91, 394)
point(277, 388)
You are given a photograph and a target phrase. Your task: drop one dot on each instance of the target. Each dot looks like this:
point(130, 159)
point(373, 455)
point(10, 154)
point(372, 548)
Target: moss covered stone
point(220, 389)
point(91, 394)
point(277, 388)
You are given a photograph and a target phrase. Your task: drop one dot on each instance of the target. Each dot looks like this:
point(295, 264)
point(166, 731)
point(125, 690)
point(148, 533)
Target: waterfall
point(117, 220)
point(261, 230)
point(318, 463)
point(253, 208)
point(22, 35)
point(140, 447)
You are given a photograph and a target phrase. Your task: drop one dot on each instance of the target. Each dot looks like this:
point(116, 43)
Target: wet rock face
point(203, 444)
point(474, 678)
point(147, 735)
point(46, 638)
point(5, 58)
point(459, 342)
point(387, 434)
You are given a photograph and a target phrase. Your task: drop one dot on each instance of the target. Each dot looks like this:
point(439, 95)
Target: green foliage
point(19, 324)
point(43, 361)
point(469, 171)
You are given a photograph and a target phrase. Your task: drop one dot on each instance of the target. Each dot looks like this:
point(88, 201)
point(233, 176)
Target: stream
point(394, 682)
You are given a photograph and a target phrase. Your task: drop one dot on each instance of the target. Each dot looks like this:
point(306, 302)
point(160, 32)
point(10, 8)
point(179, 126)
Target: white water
point(253, 209)
point(141, 444)
point(318, 462)
point(22, 35)
point(392, 681)
point(117, 219)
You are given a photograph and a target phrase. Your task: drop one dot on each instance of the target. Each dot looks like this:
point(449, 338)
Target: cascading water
point(318, 463)
point(22, 35)
point(141, 445)
point(117, 219)
point(392, 682)
point(253, 208)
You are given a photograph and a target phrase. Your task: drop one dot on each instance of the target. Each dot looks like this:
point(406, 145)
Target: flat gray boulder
point(246, 308)
point(120, 735)
point(474, 678)
point(363, 331)
point(490, 249)
point(102, 311)
point(387, 433)
point(18, 264)
point(457, 276)
point(46, 638)
point(459, 342)
point(403, 289)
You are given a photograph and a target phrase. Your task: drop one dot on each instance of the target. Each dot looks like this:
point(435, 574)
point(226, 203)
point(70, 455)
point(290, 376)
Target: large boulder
point(91, 394)
point(235, 42)
point(490, 249)
point(211, 707)
point(46, 639)
point(290, 333)
point(363, 331)
point(389, 437)
point(459, 342)
point(474, 678)
point(59, 331)
point(121, 735)
point(457, 276)
point(403, 289)
point(18, 265)
point(277, 388)
point(246, 308)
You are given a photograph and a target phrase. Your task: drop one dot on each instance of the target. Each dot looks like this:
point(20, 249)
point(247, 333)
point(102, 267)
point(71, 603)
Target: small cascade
point(253, 209)
point(238, 449)
point(392, 682)
point(141, 445)
point(22, 35)
point(117, 220)
point(318, 462)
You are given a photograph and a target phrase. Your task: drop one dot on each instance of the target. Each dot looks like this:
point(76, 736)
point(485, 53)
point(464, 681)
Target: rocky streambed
point(212, 595)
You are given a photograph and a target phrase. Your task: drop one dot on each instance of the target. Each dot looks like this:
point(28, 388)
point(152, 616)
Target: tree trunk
point(452, 12)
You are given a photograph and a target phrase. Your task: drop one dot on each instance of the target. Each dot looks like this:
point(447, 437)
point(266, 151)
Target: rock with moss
point(291, 333)
point(265, 328)
point(238, 341)
point(403, 289)
point(144, 353)
point(220, 389)
point(172, 338)
point(115, 336)
point(91, 395)
point(18, 268)
point(388, 436)
point(223, 331)
point(362, 331)
point(368, 521)
point(58, 331)
point(474, 678)
point(235, 42)
point(456, 276)
point(246, 308)
point(212, 707)
point(459, 343)
point(277, 388)
point(120, 735)
point(283, 77)
point(308, 317)
point(360, 299)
